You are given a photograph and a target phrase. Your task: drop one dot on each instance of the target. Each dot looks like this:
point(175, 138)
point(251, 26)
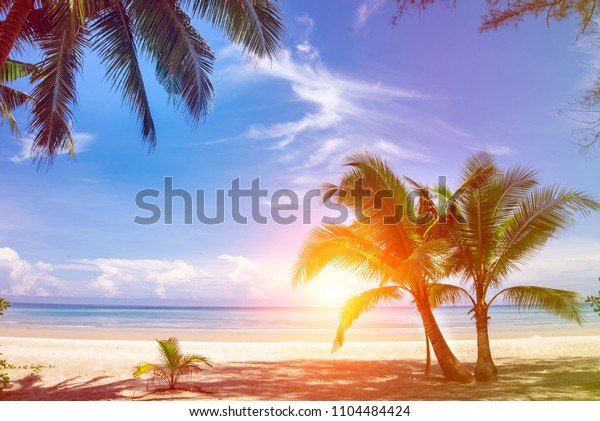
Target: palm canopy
point(117, 30)
point(507, 219)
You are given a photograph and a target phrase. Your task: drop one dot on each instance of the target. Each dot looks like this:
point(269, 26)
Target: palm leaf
point(183, 59)
point(345, 247)
point(14, 70)
point(55, 89)
point(565, 304)
point(114, 40)
point(10, 100)
point(440, 294)
point(539, 216)
point(359, 304)
point(256, 25)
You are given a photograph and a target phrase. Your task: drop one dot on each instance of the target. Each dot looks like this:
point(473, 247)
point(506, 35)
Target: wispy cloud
point(338, 114)
point(365, 10)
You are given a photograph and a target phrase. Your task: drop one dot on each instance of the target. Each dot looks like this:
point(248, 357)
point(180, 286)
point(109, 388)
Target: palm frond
point(114, 40)
point(14, 70)
point(359, 304)
point(538, 218)
point(440, 294)
point(565, 304)
point(256, 25)
point(10, 100)
point(55, 89)
point(384, 200)
point(345, 247)
point(183, 59)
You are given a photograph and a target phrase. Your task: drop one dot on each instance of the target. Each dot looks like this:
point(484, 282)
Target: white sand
point(97, 369)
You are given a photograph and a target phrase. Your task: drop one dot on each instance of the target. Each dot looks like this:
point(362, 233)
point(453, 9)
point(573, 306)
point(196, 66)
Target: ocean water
point(392, 320)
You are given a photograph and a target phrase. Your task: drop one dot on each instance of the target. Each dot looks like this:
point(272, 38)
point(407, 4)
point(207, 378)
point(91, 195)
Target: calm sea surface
point(381, 320)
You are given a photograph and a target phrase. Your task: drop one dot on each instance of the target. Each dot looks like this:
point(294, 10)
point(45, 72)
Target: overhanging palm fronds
point(359, 304)
point(257, 25)
point(565, 304)
point(62, 29)
point(183, 59)
point(114, 40)
point(56, 92)
point(174, 363)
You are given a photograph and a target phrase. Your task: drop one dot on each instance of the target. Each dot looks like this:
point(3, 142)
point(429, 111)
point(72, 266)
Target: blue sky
point(424, 94)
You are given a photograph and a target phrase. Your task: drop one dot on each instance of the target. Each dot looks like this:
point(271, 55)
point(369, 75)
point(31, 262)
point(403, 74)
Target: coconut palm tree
point(174, 363)
point(382, 247)
point(63, 30)
point(505, 219)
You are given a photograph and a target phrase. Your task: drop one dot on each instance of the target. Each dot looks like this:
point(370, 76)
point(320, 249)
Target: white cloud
point(27, 279)
point(245, 268)
point(81, 140)
point(365, 10)
point(307, 51)
point(124, 277)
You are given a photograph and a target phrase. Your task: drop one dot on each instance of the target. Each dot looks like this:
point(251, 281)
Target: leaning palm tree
point(386, 249)
point(117, 30)
point(505, 219)
point(174, 364)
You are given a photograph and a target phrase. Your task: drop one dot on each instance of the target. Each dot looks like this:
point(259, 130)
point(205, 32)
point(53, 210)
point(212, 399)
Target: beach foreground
point(534, 368)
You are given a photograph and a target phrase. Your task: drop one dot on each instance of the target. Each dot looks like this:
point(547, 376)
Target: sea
point(386, 321)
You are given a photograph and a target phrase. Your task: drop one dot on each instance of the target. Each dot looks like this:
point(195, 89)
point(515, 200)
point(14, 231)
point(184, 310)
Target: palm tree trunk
point(12, 26)
point(428, 360)
point(452, 368)
point(485, 369)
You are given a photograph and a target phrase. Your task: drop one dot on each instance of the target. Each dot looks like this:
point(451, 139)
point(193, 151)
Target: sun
point(333, 287)
point(334, 294)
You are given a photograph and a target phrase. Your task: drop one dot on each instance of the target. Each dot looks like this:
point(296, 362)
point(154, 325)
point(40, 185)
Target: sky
point(424, 94)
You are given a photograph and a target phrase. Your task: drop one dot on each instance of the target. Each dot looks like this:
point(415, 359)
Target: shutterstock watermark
point(286, 206)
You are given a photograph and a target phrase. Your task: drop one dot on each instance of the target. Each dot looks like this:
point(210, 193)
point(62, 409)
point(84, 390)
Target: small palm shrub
point(594, 301)
point(173, 365)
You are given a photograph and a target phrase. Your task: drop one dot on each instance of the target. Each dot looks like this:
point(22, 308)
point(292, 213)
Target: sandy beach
point(98, 367)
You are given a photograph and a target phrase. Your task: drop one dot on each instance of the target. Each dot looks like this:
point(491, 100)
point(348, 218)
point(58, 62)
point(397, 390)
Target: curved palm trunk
point(452, 368)
point(485, 369)
point(12, 26)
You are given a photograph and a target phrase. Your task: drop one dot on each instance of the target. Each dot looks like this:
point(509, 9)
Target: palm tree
point(505, 219)
point(116, 29)
point(392, 252)
point(174, 364)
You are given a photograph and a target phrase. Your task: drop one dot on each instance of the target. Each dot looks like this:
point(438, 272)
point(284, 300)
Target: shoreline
point(326, 335)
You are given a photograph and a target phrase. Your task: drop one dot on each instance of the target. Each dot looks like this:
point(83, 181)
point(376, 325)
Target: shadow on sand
point(564, 379)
